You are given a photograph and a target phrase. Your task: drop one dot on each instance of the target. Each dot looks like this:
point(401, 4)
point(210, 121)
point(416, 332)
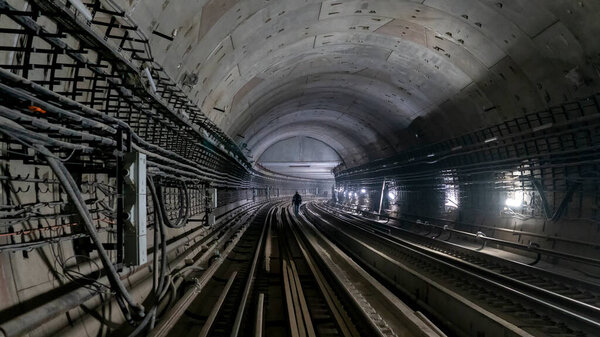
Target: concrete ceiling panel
point(363, 71)
point(301, 156)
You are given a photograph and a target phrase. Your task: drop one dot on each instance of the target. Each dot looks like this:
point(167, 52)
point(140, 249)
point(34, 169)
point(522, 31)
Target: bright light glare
point(516, 200)
point(392, 195)
point(363, 190)
point(451, 198)
point(451, 202)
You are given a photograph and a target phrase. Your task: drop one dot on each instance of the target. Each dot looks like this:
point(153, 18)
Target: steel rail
point(175, 313)
point(260, 307)
point(215, 310)
point(437, 293)
point(459, 249)
point(31, 319)
point(485, 238)
point(555, 297)
point(290, 276)
point(299, 316)
point(413, 253)
point(342, 320)
point(250, 280)
point(376, 305)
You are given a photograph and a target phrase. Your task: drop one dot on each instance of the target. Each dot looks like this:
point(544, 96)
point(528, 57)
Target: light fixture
point(363, 190)
point(516, 200)
point(451, 193)
point(392, 195)
point(451, 202)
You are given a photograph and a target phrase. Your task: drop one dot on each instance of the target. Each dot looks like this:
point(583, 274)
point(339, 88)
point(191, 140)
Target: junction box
point(134, 209)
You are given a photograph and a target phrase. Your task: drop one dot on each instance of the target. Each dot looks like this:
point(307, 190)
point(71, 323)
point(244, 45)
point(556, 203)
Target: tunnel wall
point(39, 211)
point(531, 180)
point(88, 102)
point(98, 70)
point(382, 75)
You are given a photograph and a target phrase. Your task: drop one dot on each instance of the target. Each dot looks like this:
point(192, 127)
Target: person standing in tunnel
point(296, 200)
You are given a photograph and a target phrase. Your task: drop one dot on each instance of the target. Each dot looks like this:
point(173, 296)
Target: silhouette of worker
point(296, 200)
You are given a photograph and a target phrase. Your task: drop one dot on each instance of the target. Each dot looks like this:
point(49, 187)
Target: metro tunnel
point(296, 168)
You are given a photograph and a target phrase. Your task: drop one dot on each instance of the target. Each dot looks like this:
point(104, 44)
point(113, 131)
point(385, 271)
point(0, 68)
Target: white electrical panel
point(134, 199)
point(212, 204)
point(212, 194)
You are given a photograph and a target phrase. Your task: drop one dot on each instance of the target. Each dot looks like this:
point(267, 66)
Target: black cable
point(159, 292)
point(162, 231)
point(72, 190)
point(184, 210)
point(140, 328)
point(155, 246)
point(70, 187)
point(160, 289)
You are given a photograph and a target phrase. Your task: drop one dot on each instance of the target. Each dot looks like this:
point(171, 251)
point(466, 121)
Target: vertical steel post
point(119, 177)
point(123, 139)
point(381, 198)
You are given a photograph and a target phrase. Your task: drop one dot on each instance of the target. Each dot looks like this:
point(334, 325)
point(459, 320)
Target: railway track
point(312, 307)
point(495, 296)
point(217, 309)
point(579, 295)
point(278, 277)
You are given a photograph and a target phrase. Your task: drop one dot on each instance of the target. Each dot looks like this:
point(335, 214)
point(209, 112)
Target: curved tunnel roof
point(370, 78)
point(301, 156)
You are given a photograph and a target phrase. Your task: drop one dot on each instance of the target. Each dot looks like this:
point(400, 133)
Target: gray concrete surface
point(360, 72)
point(354, 81)
point(301, 157)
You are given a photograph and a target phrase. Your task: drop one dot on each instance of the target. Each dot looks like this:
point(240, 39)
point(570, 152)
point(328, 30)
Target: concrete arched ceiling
point(356, 74)
point(300, 156)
